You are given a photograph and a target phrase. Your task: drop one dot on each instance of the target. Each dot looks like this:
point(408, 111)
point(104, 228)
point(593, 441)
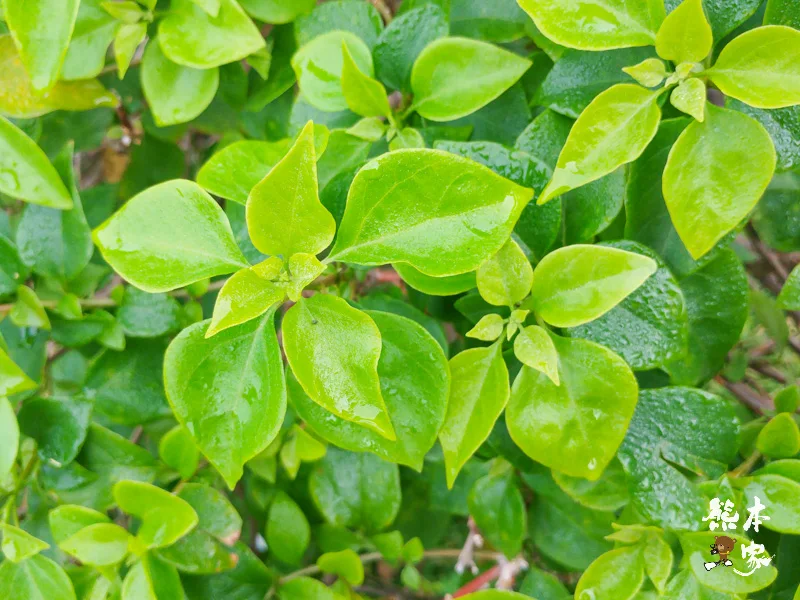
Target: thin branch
point(752, 399)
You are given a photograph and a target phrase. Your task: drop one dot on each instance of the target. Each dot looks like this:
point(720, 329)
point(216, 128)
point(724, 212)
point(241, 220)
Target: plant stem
point(747, 465)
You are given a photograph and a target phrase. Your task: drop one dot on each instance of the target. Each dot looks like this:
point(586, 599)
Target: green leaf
point(12, 269)
point(586, 415)
point(98, 545)
point(667, 419)
point(178, 450)
point(782, 499)
point(42, 41)
point(408, 137)
point(94, 30)
point(725, 138)
point(236, 169)
point(19, 545)
point(175, 93)
point(356, 490)
point(128, 386)
point(506, 278)
point(543, 585)
point(165, 517)
point(759, 67)
point(767, 313)
point(608, 493)
point(345, 564)
point(577, 284)
point(37, 577)
point(26, 172)
point(169, 236)
point(247, 295)
point(19, 100)
point(534, 348)
point(789, 298)
point(488, 329)
point(151, 579)
point(613, 130)
point(210, 6)
point(189, 36)
point(618, 574)
point(284, 214)
point(649, 73)
point(414, 381)
point(288, 532)
point(453, 77)
point(56, 243)
point(780, 438)
point(28, 311)
point(451, 229)
point(649, 328)
point(685, 35)
point(776, 216)
point(12, 378)
point(401, 42)
point(435, 286)
point(319, 66)
point(68, 519)
point(277, 11)
point(690, 97)
point(494, 595)
point(579, 76)
point(244, 364)
point(148, 315)
point(659, 559)
point(496, 504)
point(597, 24)
point(333, 350)
point(305, 587)
point(126, 42)
point(207, 548)
point(788, 399)
point(58, 425)
point(782, 12)
point(364, 95)
point(783, 126)
point(479, 392)
point(9, 430)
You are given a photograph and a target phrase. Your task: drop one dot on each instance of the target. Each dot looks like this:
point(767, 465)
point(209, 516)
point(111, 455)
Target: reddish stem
point(479, 582)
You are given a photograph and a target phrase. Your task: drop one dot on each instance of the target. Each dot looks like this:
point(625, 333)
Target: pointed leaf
point(706, 192)
point(58, 425)
point(617, 574)
point(169, 236)
point(37, 577)
point(364, 95)
point(243, 367)
point(435, 286)
point(333, 350)
point(488, 329)
point(126, 42)
point(690, 97)
point(506, 278)
point(685, 35)
point(479, 391)
point(450, 229)
point(12, 378)
point(18, 544)
point(165, 517)
point(534, 347)
point(613, 130)
point(284, 214)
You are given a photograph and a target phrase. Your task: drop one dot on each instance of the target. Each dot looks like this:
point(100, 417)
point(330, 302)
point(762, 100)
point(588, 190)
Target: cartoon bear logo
point(723, 546)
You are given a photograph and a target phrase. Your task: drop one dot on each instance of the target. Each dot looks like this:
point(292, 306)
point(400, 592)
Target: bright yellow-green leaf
point(454, 76)
point(613, 130)
point(98, 545)
point(488, 329)
point(616, 574)
point(436, 286)
point(441, 213)
point(706, 190)
point(479, 391)
point(18, 544)
point(780, 438)
point(9, 428)
point(243, 365)
point(94, 29)
point(178, 450)
point(685, 35)
point(658, 560)
point(165, 517)
point(533, 347)
point(407, 137)
point(303, 270)
point(126, 41)
point(505, 278)
point(28, 311)
point(789, 298)
point(26, 172)
point(781, 496)
point(319, 68)
point(41, 31)
point(191, 37)
point(277, 11)
point(575, 427)
point(169, 236)
point(345, 564)
point(175, 93)
point(577, 284)
point(597, 24)
point(761, 67)
point(37, 577)
point(248, 294)
point(19, 100)
point(333, 350)
point(364, 95)
point(284, 213)
point(690, 97)
point(650, 72)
